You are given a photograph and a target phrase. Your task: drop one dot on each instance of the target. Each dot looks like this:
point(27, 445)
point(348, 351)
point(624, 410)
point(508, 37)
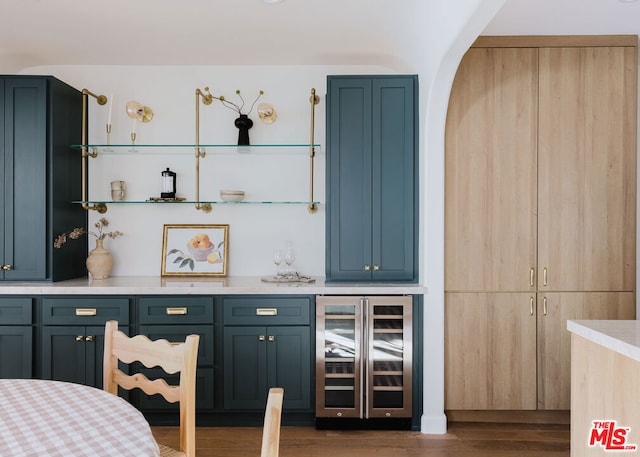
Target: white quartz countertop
point(243, 285)
point(619, 336)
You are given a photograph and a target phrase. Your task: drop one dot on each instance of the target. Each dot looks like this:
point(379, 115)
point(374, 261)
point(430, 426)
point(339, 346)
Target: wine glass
point(277, 259)
point(289, 258)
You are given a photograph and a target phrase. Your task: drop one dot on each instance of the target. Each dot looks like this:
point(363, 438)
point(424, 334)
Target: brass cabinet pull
point(544, 306)
point(271, 338)
point(376, 267)
point(6, 267)
point(266, 312)
point(531, 303)
point(79, 338)
point(261, 338)
point(544, 276)
point(177, 311)
point(89, 339)
point(532, 277)
point(367, 267)
point(86, 312)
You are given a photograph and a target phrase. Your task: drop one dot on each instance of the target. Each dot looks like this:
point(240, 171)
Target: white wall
point(255, 230)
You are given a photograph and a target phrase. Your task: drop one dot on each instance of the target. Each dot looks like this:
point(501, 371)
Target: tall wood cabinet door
point(587, 183)
point(554, 341)
point(490, 172)
point(490, 351)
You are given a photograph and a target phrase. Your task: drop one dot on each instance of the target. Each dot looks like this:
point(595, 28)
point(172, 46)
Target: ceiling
point(252, 32)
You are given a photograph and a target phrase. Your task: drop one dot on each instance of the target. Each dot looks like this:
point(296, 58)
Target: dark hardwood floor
point(461, 440)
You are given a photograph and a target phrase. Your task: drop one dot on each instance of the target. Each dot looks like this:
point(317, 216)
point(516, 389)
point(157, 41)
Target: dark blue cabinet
point(16, 337)
point(40, 117)
point(267, 343)
point(372, 184)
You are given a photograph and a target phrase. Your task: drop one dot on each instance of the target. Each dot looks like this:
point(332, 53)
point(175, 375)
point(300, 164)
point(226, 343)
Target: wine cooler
point(363, 357)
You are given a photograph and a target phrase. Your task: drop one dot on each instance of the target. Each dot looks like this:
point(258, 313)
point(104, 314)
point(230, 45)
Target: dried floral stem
point(77, 232)
point(234, 106)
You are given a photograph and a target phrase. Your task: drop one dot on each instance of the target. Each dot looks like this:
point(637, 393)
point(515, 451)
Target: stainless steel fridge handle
point(364, 357)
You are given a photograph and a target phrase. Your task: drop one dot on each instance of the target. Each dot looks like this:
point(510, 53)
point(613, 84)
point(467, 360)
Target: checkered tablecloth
point(55, 419)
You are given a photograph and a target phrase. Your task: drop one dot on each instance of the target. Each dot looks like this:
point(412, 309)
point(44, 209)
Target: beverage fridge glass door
point(389, 356)
point(338, 351)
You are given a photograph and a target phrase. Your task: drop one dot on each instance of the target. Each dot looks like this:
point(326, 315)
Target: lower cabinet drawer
point(178, 333)
point(176, 310)
point(266, 310)
point(204, 391)
point(85, 311)
point(15, 310)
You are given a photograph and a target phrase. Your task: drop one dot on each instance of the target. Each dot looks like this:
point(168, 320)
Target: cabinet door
point(491, 172)
point(289, 364)
point(25, 180)
point(245, 367)
point(587, 150)
point(349, 162)
point(16, 351)
point(394, 182)
point(490, 351)
point(73, 354)
point(554, 341)
point(372, 178)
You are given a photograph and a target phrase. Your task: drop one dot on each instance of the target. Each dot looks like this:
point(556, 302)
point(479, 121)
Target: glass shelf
point(115, 149)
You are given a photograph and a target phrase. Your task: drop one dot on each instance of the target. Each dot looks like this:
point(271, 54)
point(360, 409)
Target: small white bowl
point(232, 195)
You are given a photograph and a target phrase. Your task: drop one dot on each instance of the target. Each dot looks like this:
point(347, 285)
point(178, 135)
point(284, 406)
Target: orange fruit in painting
point(213, 257)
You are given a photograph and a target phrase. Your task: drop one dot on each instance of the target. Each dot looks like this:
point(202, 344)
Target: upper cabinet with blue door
point(40, 117)
point(372, 178)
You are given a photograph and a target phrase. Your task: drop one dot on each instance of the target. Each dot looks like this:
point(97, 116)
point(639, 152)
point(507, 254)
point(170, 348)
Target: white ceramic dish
point(232, 195)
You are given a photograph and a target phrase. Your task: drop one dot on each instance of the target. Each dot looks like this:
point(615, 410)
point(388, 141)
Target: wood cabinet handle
point(177, 311)
point(532, 277)
point(86, 311)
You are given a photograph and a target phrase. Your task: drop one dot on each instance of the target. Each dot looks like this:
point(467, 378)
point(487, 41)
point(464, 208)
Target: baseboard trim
point(512, 417)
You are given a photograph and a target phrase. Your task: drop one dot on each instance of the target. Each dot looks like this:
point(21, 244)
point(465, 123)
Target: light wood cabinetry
point(540, 213)
point(490, 349)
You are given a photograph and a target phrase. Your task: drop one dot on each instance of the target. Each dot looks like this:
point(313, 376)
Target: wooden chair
point(271, 427)
point(172, 358)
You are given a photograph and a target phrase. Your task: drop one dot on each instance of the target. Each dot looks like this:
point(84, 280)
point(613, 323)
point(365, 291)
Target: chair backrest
point(171, 357)
point(271, 427)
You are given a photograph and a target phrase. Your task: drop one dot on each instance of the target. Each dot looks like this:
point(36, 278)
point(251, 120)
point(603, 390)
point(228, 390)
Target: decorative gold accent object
point(136, 110)
point(102, 100)
point(267, 113)
point(314, 100)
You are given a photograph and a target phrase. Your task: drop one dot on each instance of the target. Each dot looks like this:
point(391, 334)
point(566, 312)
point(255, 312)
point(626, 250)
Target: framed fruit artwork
point(195, 250)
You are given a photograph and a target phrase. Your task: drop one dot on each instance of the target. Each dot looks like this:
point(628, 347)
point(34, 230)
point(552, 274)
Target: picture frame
point(195, 250)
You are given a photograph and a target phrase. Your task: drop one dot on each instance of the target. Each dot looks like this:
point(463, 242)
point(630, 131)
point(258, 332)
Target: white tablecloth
point(55, 419)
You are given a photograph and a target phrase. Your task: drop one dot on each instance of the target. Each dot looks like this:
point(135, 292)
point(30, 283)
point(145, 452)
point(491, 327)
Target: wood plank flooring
point(461, 440)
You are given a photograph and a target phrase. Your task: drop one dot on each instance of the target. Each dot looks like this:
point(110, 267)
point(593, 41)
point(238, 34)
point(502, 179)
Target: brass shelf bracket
point(207, 98)
point(85, 153)
point(314, 100)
